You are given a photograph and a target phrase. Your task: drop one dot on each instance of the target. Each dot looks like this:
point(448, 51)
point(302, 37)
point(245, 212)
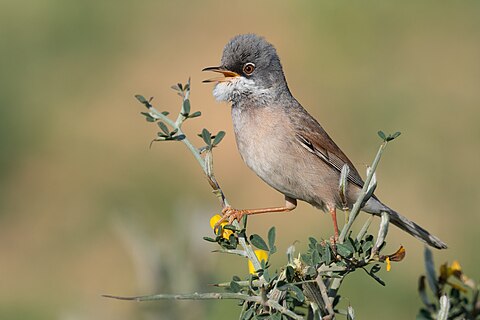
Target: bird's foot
point(230, 214)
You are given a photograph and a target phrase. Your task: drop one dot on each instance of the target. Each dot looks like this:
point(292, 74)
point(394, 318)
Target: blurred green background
point(86, 208)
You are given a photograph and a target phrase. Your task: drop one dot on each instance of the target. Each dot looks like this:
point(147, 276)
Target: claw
point(232, 214)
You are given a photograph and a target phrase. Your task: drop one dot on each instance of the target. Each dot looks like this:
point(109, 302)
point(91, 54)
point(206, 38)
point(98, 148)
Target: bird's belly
point(273, 153)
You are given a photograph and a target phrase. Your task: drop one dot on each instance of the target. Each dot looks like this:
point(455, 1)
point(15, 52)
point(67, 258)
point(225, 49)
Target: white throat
point(237, 87)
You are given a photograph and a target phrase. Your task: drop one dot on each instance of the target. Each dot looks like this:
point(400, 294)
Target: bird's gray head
point(251, 70)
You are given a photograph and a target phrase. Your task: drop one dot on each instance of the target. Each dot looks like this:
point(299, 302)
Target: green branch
point(190, 296)
point(206, 162)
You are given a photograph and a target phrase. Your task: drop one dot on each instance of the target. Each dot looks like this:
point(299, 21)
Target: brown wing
point(312, 137)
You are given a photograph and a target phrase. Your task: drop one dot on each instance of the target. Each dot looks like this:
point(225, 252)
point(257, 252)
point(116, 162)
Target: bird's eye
point(248, 68)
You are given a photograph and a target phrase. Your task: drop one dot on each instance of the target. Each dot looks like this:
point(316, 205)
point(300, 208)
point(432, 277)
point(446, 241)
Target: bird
point(283, 144)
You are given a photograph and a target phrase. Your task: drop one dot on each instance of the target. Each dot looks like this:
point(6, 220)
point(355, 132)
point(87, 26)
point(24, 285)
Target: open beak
point(227, 74)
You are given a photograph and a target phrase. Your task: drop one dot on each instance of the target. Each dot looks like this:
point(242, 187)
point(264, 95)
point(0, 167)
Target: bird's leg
point(232, 214)
point(333, 213)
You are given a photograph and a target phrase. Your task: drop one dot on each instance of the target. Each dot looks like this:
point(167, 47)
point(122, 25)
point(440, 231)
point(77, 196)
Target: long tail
point(415, 230)
point(374, 206)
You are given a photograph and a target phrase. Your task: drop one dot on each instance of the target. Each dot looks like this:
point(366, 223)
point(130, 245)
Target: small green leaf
point(209, 239)
point(248, 314)
point(327, 255)
point(289, 273)
point(382, 135)
point(233, 241)
point(236, 278)
point(276, 316)
point(207, 137)
point(144, 101)
point(393, 136)
point(164, 127)
point(376, 267)
point(307, 259)
point(311, 272)
point(230, 227)
point(141, 98)
point(165, 113)
point(186, 107)
point(271, 238)
point(218, 137)
point(195, 114)
point(344, 250)
point(235, 287)
point(266, 275)
point(431, 273)
point(258, 242)
point(282, 285)
point(366, 246)
point(298, 293)
point(316, 259)
point(180, 137)
point(148, 117)
point(179, 85)
point(336, 300)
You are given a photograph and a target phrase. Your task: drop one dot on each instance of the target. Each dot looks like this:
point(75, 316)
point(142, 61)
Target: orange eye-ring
point(248, 68)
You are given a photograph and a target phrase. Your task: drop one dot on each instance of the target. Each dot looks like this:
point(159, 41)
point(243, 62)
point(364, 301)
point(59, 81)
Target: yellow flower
point(456, 268)
point(225, 232)
point(262, 255)
point(397, 256)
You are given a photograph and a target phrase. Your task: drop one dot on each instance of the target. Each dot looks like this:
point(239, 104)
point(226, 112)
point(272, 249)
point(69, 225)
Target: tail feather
point(415, 230)
point(374, 206)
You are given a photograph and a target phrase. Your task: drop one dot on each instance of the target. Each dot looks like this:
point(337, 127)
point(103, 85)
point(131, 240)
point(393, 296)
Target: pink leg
point(333, 213)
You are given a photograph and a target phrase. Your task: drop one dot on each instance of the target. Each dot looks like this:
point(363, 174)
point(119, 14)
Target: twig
point(206, 164)
point(382, 233)
point(336, 283)
point(275, 305)
point(323, 291)
point(240, 253)
point(358, 204)
point(190, 296)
